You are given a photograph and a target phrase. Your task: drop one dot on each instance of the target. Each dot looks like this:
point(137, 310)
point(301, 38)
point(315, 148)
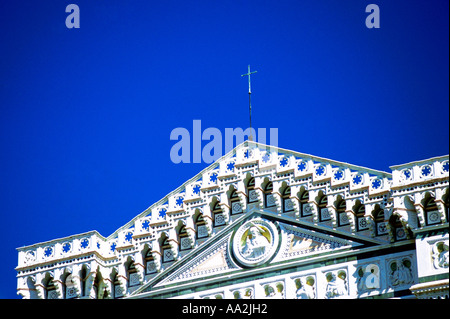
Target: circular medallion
point(255, 242)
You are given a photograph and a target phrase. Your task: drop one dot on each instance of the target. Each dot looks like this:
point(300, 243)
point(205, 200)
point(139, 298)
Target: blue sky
point(86, 114)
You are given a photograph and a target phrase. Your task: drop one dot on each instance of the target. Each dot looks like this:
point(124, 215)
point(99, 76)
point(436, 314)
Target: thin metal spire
point(250, 99)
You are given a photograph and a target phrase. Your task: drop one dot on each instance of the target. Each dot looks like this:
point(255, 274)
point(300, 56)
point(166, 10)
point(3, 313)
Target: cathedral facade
point(264, 222)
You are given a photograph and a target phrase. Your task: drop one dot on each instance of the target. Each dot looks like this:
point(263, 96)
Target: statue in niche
point(255, 241)
point(337, 285)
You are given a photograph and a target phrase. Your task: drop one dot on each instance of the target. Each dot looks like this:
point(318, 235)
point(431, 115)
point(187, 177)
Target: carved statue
point(255, 243)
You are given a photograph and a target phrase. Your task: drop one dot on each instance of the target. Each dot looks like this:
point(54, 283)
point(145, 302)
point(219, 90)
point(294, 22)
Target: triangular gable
point(220, 255)
point(265, 157)
point(211, 186)
point(302, 242)
point(213, 260)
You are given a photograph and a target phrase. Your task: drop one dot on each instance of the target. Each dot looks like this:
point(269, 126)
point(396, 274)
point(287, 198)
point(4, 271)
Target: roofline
point(417, 162)
point(52, 241)
point(215, 163)
point(333, 162)
point(175, 191)
point(230, 154)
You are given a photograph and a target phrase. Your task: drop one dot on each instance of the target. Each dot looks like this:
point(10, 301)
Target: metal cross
point(248, 74)
point(250, 99)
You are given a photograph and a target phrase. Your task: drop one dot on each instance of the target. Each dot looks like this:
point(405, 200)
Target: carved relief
point(440, 254)
point(218, 295)
point(306, 287)
point(337, 284)
point(400, 272)
point(244, 293)
point(274, 290)
point(255, 242)
point(368, 277)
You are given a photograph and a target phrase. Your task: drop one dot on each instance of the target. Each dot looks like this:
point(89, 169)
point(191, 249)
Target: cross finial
point(248, 74)
point(250, 99)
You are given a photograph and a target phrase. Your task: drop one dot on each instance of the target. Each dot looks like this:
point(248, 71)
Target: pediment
point(213, 260)
point(251, 243)
point(302, 242)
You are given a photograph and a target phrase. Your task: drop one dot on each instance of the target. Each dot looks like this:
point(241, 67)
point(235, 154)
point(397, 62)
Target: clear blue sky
point(86, 113)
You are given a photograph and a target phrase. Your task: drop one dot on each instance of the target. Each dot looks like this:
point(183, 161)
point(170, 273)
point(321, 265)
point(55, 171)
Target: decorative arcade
point(264, 222)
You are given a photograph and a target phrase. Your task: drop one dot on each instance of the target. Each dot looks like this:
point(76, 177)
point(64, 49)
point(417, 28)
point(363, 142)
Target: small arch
point(288, 205)
point(305, 209)
point(361, 220)
point(70, 291)
point(235, 203)
point(132, 274)
point(183, 238)
point(266, 181)
point(201, 229)
point(149, 262)
point(432, 215)
point(99, 287)
point(283, 188)
point(166, 248)
point(83, 277)
point(341, 212)
point(117, 290)
point(399, 232)
point(217, 213)
point(31, 285)
point(379, 219)
point(252, 196)
point(269, 201)
point(50, 287)
point(324, 214)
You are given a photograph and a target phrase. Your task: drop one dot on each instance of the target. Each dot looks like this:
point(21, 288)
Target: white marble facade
point(294, 225)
